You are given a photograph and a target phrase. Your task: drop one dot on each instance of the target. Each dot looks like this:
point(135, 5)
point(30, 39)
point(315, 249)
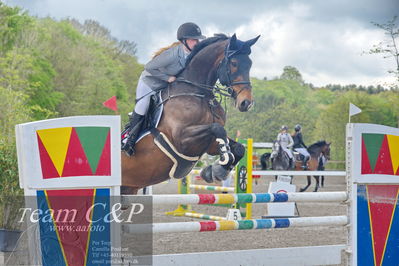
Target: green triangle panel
point(373, 144)
point(92, 140)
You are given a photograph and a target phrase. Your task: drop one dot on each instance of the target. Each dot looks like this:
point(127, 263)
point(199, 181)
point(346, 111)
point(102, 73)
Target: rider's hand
point(171, 79)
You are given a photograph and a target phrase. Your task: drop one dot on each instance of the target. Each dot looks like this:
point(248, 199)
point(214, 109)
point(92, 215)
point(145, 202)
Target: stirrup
point(129, 149)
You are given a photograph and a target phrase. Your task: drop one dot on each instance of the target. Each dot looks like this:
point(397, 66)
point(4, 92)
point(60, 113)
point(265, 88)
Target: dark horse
point(316, 150)
point(264, 160)
point(193, 118)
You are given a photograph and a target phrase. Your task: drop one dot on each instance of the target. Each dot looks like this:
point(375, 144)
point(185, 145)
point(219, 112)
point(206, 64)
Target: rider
point(157, 74)
point(300, 147)
point(286, 142)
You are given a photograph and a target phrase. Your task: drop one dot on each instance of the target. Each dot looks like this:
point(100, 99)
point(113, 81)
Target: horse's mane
point(205, 43)
point(318, 144)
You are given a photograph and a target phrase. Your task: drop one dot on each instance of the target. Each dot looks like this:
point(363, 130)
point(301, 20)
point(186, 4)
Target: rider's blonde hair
point(160, 51)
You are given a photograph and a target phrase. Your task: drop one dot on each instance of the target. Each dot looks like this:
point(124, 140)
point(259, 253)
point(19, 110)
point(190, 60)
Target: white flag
point(353, 109)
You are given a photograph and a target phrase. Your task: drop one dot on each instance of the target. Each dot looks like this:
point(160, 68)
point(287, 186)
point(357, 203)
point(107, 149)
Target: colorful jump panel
point(380, 154)
point(378, 224)
point(72, 227)
point(74, 151)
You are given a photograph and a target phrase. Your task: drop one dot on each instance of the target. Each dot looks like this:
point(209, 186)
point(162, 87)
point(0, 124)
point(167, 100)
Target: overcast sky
point(324, 40)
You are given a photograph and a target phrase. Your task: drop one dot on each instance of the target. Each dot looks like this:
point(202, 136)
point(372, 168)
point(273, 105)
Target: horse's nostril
point(245, 104)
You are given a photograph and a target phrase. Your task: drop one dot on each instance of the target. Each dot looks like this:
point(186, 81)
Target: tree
point(389, 47)
point(291, 73)
point(13, 22)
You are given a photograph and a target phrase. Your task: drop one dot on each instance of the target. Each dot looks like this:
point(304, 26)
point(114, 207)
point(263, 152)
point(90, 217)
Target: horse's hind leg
point(322, 181)
point(308, 185)
point(125, 190)
point(316, 177)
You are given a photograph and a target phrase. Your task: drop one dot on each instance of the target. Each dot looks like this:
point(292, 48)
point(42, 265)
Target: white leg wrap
point(225, 157)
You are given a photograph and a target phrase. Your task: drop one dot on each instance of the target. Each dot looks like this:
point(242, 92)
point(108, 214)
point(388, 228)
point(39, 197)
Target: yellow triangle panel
point(393, 142)
point(56, 141)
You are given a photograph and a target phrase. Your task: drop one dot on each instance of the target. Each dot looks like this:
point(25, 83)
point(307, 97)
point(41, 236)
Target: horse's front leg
point(212, 139)
point(230, 153)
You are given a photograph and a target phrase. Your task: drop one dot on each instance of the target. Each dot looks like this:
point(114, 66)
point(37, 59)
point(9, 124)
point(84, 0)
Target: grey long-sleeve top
point(158, 70)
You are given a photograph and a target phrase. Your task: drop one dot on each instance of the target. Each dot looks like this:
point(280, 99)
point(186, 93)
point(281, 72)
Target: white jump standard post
point(70, 169)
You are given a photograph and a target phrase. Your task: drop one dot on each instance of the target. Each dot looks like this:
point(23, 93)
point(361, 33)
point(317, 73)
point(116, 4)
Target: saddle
point(182, 164)
point(151, 120)
point(298, 156)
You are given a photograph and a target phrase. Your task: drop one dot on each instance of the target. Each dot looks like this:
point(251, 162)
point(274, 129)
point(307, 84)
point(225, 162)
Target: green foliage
point(322, 112)
point(10, 193)
point(13, 110)
point(277, 102)
point(291, 73)
point(13, 22)
point(52, 68)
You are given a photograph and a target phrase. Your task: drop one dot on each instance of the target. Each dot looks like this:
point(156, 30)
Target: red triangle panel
point(384, 162)
point(382, 201)
point(72, 240)
point(48, 168)
point(76, 163)
point(104, 164)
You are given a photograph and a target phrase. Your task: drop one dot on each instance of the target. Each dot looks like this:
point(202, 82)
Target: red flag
point(111, 103)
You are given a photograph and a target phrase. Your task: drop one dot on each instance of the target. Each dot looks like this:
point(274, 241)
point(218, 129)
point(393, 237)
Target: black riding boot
point(136, 121)
point(305, 163)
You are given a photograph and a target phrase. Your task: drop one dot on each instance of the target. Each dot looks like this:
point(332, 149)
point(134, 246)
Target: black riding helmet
point(298, 127)
point(189, 30)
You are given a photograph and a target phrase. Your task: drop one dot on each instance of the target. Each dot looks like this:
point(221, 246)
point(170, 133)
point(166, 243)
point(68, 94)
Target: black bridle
point(224, 76)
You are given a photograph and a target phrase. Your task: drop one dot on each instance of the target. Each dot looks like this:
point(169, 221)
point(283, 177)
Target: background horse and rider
point(319, 153)
point(192, 122)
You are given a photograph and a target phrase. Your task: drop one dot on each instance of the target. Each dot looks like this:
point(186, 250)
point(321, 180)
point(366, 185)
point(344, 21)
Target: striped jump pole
point(236, 225)
point(213, 188)
point(245, 198)
point(205, 216)
point(242, 184)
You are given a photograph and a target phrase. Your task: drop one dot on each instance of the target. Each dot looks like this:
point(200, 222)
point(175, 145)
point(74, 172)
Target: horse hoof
point(206, 174)
point(302, 190)
point(219, 172)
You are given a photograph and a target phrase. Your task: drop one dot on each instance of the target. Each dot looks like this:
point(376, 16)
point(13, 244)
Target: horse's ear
point(233, 43)
point(251, 42)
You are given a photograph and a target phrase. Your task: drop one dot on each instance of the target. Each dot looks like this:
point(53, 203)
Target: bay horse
point(193, 119)
point(316, 150)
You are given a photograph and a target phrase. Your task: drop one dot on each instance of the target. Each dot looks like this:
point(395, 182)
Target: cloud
point(324, 40)
point(323, 52)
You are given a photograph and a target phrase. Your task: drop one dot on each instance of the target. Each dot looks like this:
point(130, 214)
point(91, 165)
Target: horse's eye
point(234, 64)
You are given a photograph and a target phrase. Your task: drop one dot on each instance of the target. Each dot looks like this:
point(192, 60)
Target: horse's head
point(326, 150)
point(276, 146)
point(233, 71)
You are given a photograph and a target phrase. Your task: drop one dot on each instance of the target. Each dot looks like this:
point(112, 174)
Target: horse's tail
point(160, 51)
